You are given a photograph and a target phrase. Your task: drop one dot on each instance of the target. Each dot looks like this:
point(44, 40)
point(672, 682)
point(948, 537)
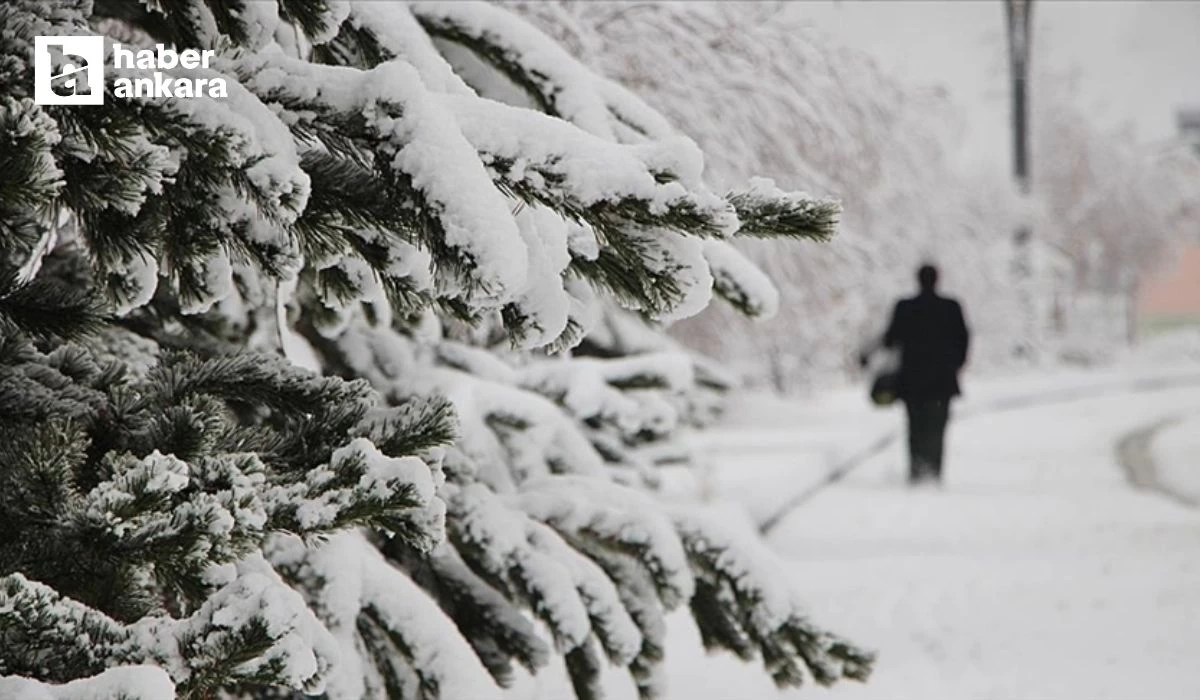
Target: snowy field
point(1036, 571)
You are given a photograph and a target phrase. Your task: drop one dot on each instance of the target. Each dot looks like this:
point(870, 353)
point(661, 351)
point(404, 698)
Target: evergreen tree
point(320, 387)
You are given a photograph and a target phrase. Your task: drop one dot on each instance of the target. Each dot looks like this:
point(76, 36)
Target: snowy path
point(1138, 462)
point(1037, 572)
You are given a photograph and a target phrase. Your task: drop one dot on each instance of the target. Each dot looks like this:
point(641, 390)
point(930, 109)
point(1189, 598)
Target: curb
point(1137, 459)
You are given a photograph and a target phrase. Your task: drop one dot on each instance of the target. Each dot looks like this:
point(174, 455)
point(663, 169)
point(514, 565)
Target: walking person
point(931, 335)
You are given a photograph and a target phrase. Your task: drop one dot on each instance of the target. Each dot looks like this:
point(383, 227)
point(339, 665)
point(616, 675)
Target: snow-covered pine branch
point(250, 630)
point(744, 604)
point(362, 204)
point(155, 551)
point(766, 211)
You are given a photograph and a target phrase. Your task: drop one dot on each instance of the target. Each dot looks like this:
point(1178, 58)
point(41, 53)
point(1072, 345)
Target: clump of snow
point(592, 388)
point(584, 168)
point(336, 12)
point(743, 561)
point(260, 19)
point(764, 188)
point(574, 95)
point(683, 258)
point(294, 347)
point(586, 309)
point(379, 477)
point(398, 31)
point(607, 615)
point(155, 475)
point(478, 362)
point(216, 284)
point(548, 440)
point(438, 651)
point(544, 304)
point(422, 141)
point(137, 277)
point(577, 94)
point(581, 241)
point(252, 599)
point(739, 279)
point(126, 682)
point(621, 516)
point(501, 535)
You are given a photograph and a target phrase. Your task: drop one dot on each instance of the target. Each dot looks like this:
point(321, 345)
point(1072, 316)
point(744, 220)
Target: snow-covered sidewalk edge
point(799, 444)
point(1175, 450)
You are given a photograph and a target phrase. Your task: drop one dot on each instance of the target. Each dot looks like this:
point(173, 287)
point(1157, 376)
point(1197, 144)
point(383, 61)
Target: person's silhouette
point(931, 334)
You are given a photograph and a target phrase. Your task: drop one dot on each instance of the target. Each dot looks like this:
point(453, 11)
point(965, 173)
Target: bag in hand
point(885, 376)
point(884, 387)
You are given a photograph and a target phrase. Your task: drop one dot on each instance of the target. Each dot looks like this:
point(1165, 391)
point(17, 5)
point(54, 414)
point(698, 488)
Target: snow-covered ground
point(1176, 453)
point(770, 449)
point(1036, 572)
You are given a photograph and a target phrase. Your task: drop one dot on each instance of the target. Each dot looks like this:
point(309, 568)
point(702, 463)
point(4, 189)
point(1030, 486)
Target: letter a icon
point(68, 70)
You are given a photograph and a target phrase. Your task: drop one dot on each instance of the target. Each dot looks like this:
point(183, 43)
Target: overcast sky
point(1137, 61)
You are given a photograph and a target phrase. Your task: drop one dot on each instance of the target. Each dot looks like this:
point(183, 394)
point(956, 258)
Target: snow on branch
point(524, 432)
point(32, 178)
point(765, 211)
point(494, 540)
point(393, 639)
point(497, 629)
point(586, 178)
point(553, 79)
point(466, 222)
point(249, 631)
point(740, 282)
point(396, 493)
point(610, 622)
point(416, 628)
point(558, 84)
point(615, 516)
point(376, 32)
point(619, 394)
point(744, 604)
point(141, 682)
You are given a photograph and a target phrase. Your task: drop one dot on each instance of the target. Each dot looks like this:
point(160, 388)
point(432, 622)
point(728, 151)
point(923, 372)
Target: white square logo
point(68, 70)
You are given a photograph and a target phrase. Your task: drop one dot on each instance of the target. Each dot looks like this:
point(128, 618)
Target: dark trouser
point(926, 436)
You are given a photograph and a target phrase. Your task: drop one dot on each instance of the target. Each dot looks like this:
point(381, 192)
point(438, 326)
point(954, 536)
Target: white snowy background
point(1038, 570)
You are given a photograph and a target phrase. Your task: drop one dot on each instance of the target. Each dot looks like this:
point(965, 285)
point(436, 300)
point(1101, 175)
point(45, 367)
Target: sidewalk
point(794, 443)
point(1036, 572)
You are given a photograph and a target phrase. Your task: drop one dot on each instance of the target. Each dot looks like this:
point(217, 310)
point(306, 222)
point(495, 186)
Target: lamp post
point(1018, 14)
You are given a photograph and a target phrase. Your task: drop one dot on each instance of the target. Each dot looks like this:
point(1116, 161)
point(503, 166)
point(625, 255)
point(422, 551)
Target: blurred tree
point(812, 113)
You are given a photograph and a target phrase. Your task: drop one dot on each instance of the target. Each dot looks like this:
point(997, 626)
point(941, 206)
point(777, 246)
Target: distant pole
point(1018, 14)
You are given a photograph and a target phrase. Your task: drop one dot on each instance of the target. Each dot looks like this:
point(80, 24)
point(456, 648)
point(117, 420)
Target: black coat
point(932, 337)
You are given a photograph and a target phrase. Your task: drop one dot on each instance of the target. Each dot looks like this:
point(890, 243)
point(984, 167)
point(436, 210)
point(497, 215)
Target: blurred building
point(1171, 299)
